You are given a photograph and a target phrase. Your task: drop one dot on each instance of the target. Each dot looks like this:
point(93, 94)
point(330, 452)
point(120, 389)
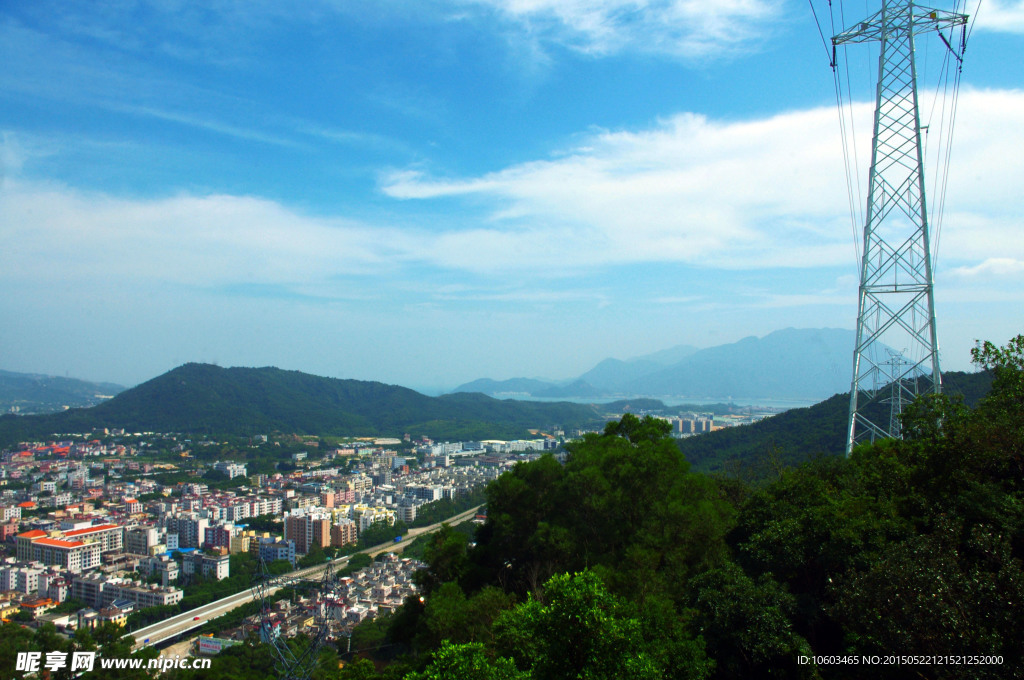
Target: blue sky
point(425, 193)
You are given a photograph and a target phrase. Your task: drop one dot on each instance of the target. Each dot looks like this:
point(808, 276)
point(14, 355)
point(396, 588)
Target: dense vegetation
point(793, 436)
point(625, 564)
point(200, 398)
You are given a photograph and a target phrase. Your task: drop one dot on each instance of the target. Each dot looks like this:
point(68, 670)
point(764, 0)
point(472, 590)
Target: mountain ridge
point(206, 398)
point(35, 393)
point(796, 364)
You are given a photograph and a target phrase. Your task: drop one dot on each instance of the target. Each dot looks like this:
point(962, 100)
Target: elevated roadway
point(174, 626)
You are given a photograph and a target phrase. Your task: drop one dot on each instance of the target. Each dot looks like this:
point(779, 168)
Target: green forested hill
point(33, 393)
point(205, 398)
point(798, 434)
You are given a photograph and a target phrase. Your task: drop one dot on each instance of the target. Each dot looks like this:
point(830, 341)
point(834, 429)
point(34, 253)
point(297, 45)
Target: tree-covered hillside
point(799, 434)
point(204, 398)
point(623, 563)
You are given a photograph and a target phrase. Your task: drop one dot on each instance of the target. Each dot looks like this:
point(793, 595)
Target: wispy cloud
point(993, 268)
point(683, 28)
point(12, 154)
point(210, 125)
point(349, 137)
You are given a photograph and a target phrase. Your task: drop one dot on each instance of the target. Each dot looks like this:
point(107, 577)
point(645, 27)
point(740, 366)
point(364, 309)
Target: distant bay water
point(674, 401)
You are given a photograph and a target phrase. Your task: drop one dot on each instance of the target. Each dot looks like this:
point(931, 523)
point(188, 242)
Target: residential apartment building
point(9, 512)
point(219, 536)
point(190, 529)
point(99, 590)
point(215, 565)
point(109, 536)
point(161, 565)
point(270, 550)
point(143, 541)
point(22, 579)
point(308, 530)
point(73, 556)
point(344, 533)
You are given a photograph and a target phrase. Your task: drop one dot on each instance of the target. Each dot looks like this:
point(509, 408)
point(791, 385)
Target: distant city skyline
point(434, 193)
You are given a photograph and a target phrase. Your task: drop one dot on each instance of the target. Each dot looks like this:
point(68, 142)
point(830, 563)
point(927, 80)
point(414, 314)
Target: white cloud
point(999, 15)
point(203, 241)
point(994, 267)
point(685, 28)
point(750, 194)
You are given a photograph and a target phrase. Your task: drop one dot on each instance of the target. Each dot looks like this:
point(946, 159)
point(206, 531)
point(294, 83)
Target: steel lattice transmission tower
point(896, 307)
point(291, 665)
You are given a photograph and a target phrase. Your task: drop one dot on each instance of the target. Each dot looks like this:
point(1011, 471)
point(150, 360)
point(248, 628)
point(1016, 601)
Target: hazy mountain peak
point(790, 363)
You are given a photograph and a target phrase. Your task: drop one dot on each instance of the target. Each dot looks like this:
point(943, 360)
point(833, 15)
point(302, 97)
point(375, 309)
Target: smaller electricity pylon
point(896, 400)
point(291, 665)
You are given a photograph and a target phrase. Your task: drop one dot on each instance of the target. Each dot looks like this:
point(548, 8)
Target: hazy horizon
point(427, 195)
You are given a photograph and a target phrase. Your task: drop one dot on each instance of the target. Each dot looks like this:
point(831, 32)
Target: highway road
point(195, 618)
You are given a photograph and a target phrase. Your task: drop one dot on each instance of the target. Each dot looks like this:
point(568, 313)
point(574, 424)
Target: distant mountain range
point(205, 399)
point(30, 393)
point(201, 398)
point(790, 364)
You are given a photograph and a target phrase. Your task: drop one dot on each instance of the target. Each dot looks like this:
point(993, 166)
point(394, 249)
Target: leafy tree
point(577, 630)
point(356, 562)
point(446, 557)
point(625, 503)
point(522, 543)
point(812, 524)
point(938, 594)
point(314, 557)
point(450, 615)
point(381, 532)
point(359, 669)
point(637, 511)
point(370, 638)
point(747, 625)
point(468, 662)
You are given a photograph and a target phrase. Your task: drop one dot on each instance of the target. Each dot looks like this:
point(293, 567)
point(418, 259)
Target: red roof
point(27, 504)
point(90, 530)
point(35, 533)
point(57, 543)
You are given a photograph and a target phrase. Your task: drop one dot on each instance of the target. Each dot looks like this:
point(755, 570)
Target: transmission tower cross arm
point(916, 21)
